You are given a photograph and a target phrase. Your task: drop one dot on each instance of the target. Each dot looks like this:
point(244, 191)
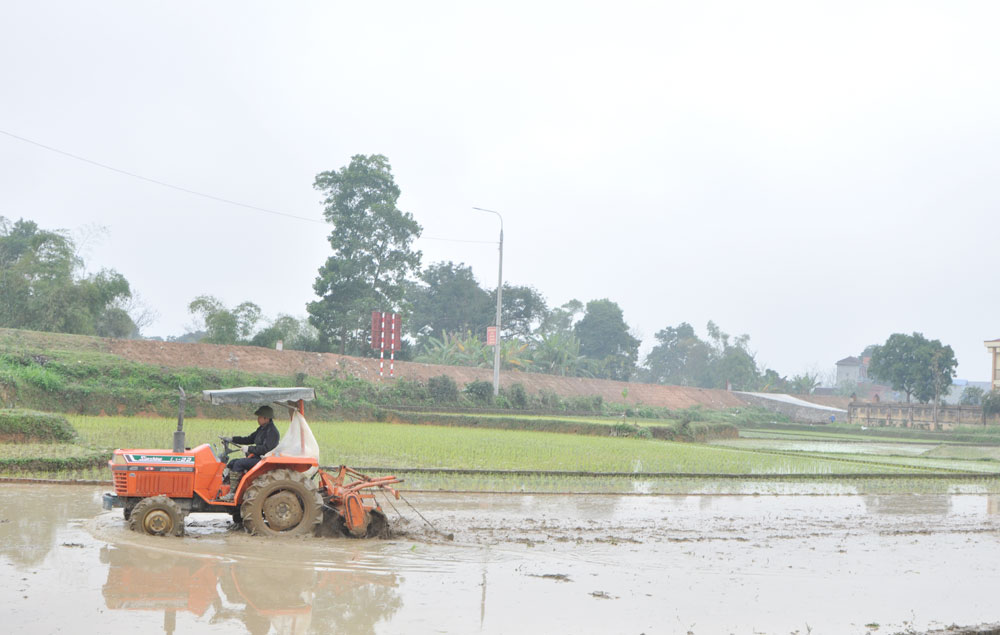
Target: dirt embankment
point(264, 360)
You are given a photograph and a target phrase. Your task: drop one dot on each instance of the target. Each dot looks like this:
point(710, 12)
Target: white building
point(993, 346)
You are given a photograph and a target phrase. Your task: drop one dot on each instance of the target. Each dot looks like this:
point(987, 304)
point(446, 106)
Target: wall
point(917, 415)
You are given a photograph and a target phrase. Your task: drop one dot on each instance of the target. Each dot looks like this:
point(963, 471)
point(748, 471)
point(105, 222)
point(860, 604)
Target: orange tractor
point(285, 494)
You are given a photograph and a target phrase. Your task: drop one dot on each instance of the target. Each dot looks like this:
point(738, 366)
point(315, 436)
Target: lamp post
point(496, 348)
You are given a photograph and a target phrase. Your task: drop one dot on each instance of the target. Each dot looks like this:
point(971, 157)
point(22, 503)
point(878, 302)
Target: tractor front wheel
point(157, 516)
point(282, 503)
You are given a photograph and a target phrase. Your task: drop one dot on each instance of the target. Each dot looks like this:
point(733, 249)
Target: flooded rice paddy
point(853, 563)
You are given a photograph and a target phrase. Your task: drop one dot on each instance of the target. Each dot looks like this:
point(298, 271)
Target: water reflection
point(260, 595)
point(30, 518)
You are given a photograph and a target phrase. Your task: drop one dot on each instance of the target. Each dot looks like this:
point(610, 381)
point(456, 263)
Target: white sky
point(818, 175)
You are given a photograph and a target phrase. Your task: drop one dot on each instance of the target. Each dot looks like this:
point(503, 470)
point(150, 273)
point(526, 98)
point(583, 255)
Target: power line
point(195, 192)
point(160, 183)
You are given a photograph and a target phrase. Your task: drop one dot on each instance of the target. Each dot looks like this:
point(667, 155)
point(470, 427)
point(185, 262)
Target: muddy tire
point(282, 503)
point(157, 516)
point(129, 506)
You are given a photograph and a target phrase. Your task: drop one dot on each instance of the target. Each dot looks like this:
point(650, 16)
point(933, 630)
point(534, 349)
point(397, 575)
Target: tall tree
point(679, 358)
point(372, 242)
point(604, 337)
point(734, 362)
point(523, 310)
point(913, 364)
point(43, 286)
point(449, 300)
point(561, 319)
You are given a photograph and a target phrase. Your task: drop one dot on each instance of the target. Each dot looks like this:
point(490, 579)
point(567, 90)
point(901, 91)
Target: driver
point(263, 440)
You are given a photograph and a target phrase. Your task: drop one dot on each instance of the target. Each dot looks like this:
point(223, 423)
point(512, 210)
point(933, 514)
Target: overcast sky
point(817, 175)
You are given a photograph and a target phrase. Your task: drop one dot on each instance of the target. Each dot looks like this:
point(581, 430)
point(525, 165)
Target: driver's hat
point(265, 411)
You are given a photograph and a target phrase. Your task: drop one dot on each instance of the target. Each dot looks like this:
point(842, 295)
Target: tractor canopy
point(298, 440)
point(257, 394)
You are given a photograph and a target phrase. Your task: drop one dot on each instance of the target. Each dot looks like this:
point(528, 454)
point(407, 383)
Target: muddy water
point(529, 564)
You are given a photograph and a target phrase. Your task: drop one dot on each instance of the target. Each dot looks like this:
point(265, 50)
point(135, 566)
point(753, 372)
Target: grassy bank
point(90, 381)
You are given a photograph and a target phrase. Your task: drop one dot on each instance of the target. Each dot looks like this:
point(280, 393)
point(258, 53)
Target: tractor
point(285, 494)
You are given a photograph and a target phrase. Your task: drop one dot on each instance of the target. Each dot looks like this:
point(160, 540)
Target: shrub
point(551, 400)
point(443, 389)
point(991, 402)
point(408, 391)
point(592, 403)
point(518, 396)
point(480, 391)
point(29, 424)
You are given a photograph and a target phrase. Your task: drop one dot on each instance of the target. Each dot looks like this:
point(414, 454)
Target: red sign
point(397, 331)
point(387, 331)
point(491, 336)
point(376, 330)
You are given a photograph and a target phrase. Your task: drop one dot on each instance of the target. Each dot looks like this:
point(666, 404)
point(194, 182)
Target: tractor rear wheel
point(157, 516)
point(282, 503)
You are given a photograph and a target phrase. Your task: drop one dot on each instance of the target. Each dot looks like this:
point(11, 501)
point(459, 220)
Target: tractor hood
point(256, 395)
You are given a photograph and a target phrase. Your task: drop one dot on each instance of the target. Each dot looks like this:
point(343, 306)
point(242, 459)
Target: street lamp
point(496, 348)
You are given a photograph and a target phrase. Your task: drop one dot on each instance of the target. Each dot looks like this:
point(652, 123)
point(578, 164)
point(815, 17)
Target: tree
point(523, 308)
point(372, 251)
point(225, 326)
point(680, 358)
point(449, 300)
point(561, 319)
point(43, 286)
point(804, 383)
point(914, 365)
point(972, 396)
point(772, 381)
point(604, 337)
point(558, 353)
point(294, 333)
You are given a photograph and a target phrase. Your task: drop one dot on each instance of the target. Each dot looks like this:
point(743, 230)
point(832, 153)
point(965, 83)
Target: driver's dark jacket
point(263, 440)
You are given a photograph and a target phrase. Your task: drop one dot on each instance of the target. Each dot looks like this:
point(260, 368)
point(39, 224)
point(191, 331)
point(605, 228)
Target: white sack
point(298, 441)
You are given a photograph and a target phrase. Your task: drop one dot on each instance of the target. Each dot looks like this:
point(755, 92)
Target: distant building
point(853, 370)
point(993, 346)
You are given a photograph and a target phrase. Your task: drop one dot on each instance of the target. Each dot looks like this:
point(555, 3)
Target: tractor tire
point(282, 503)
point(157, 516)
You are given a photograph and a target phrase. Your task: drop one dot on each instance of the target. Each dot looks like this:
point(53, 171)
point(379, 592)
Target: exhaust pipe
point(179, 433)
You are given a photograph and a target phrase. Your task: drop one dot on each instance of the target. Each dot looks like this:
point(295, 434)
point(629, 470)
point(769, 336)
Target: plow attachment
point(349, 505)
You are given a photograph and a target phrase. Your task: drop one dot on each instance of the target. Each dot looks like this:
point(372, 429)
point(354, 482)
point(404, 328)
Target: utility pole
point(496, 348)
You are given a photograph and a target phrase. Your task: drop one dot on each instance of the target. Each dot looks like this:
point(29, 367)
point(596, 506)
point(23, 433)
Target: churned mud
point(893, 563)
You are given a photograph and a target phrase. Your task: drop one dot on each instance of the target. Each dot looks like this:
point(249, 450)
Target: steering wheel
point(226, 450)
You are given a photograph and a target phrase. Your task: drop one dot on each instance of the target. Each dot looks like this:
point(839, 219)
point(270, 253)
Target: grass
point(552, 462)
point(403, 445)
